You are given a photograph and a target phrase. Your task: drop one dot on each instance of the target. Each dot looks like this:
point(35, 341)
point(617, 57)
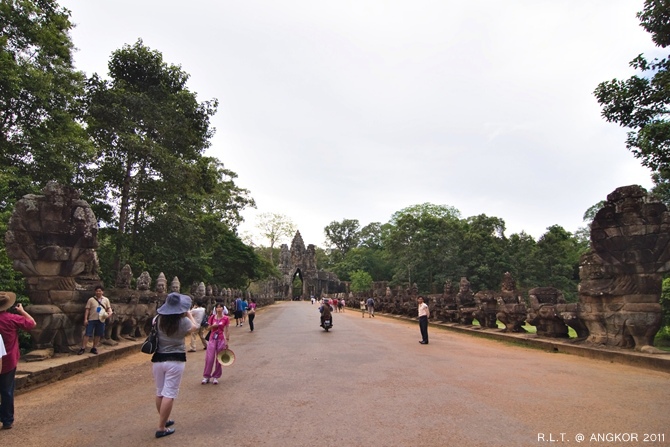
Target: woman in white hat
point(174, 321)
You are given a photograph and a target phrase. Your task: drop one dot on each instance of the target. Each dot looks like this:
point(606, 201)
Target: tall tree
point(556, 260)
point(343, 235)
point(483, 251)
point(274, 227)
point(150, 132)
point(361, 281)
point(40, 136)
point(642, 102)
point(423, 243)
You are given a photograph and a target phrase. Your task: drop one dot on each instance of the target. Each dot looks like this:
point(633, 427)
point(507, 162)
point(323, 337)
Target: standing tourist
point(424, 313)
point(10, 324)
point(252, 314)
point(362, 303)
point(198, 313)
point(174, 322)
point(371, 307)
point(95, 326)
point(342, 304)
point(218, 341)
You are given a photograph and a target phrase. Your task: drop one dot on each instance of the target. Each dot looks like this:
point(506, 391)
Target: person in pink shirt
point(218, 341)
point(10, 323)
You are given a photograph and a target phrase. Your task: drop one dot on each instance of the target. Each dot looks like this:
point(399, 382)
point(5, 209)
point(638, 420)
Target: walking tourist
point(245, 306)
point(424, 313)
point(371, 307)
point(10, 324)
point(343, 304)
point(239, 312)
point(94, 319)
point(174, 322)
point(198, 313)
point(218, 341)
point(252, 314)
point(362, 303)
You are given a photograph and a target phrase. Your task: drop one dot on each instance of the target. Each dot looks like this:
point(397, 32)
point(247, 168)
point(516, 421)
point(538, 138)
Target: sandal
point(167, 432)
point(169, 423)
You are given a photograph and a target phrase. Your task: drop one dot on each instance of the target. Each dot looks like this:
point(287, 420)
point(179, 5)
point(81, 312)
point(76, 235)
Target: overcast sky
point(358, 109)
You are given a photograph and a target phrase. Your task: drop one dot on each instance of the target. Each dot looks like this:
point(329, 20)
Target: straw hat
point(226, 357)
point(175, 304)
point(7, 300)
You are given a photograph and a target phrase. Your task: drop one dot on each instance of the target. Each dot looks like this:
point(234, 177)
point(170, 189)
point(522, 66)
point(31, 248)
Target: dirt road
point(368, 382)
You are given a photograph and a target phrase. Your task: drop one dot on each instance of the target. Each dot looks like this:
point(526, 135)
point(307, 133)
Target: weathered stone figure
point(51, 239)
point(161, 283)
point(466, 302)
point(512, 310)
point(486, 308)
point(124, 277)
point(544, 312)
point(621, 275)
point(144, 281)
point(448, 309)
point(175, 285)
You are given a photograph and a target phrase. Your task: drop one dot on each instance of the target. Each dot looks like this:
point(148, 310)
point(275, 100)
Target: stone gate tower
point(300, 261)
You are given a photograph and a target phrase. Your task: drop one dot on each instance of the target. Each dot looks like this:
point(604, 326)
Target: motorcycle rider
point(325, 310)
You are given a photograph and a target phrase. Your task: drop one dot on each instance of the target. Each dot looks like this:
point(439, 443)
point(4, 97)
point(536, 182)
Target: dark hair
point(98, 287)
point(169, 323)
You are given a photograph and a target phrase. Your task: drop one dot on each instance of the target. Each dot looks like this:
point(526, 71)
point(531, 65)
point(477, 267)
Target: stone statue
point(144, 281)
point(200, 291)
point(124, 277)
point(51, 239)
point(544, 313)
point(486, 309)
point(512, 310)
point(622, 273)
point(175, 285)
point(466, 302)
point(161, 283)
point(448, 310)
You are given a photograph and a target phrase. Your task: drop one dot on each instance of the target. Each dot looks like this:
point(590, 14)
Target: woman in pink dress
point(219, 338)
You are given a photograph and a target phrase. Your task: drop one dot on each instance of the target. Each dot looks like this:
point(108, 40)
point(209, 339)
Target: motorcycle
point(327, 323)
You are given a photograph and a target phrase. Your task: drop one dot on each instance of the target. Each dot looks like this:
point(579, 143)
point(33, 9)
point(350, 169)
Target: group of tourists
point(176, 319)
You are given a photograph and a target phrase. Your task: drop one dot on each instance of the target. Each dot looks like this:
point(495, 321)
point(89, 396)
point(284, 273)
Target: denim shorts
point(95, 327)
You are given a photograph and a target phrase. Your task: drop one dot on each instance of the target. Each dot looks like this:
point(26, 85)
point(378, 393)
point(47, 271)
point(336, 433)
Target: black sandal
point(160, 434)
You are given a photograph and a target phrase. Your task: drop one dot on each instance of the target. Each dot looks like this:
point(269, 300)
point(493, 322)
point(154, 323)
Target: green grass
point(530, 329)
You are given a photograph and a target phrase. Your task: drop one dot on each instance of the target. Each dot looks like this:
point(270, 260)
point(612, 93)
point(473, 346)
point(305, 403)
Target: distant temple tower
point(301, 261)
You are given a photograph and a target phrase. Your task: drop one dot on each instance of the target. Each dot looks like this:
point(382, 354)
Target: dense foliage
point(133, 143)
point(429, 244)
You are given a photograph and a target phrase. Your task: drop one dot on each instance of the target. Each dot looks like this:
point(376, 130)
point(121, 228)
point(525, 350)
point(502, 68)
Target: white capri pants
point(168, 377)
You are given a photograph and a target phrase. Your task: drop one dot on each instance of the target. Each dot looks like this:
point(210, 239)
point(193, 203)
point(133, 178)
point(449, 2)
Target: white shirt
point(3, 352)
point(423, 310)
point(198, 314)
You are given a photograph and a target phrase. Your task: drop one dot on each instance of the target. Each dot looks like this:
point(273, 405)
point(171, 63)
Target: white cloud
point(357, 109)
